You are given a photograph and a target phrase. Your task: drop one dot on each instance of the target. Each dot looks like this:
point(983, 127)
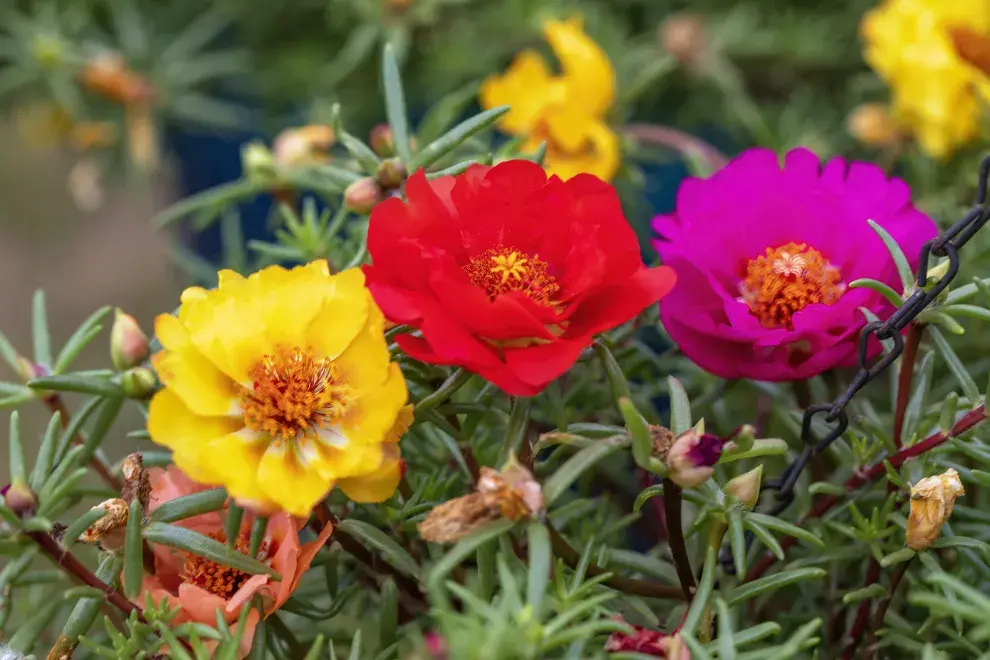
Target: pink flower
point(764, 256)
point(648, 642)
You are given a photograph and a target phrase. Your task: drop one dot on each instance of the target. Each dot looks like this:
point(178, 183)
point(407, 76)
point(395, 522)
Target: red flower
point(507, 273)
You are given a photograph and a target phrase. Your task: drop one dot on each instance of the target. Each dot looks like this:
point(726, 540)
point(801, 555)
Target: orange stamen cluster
point(502, 269)
point(787, 279)
point(215, 578)
point(294, 394)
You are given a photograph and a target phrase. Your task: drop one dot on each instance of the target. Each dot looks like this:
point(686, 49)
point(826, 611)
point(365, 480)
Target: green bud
point(257, 161)
point(391, 174)
point(128, 343)
point(745, 488)
point(138, 383)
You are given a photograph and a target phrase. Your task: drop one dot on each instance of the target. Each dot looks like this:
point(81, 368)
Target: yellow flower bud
point(932, 499)
point(128, 343)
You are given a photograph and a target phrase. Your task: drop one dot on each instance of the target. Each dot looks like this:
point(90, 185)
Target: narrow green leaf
point(884, 290)
point(944, 321)
point(73, 428)
point(81, 524)
point(464, 549)
point(783, 527)
point(680, 407)
point(916, 403)
point(316, 650)
point(14, 395)
point(637, 427)
point(646, 494)
point(726, 641)
point(198, 544)
point(18, 469)
point(455, 137)
point(360, 152)
point(395, 103)
point(767, 583)
point(109, 410)
point(445, 112)
point(388, 620)
point(955, 365)
point(900, 261)
point(700, 600)
point(969, 311)
point(81, 338)
point(188, 506)
point(826, 488)
point(893, 476)
point(947, 416)
point(444, 392)
point(258, 529)
point(575, 466)
point(375, 539)
point(51, 499)
point(46, 453)
point(232, 523)
point(72, 383)
point(355, 653)
point(133, 551)
point(217, 197)
point(84, 613)
point(866, 593)
point(698, 652)
point(737, 541)
point(765, 537)
point(540, 558)
point(9, 353)
point(617, 379)
point(759, 448)
point(453, 170)
point(515, 432)
point(756, 633)
point(980, 477)
point(40, 334)
point(29, 632)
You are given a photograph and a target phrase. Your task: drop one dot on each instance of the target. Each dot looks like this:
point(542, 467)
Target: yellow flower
point(565, 110)
point(279, 386)
point(937, 95)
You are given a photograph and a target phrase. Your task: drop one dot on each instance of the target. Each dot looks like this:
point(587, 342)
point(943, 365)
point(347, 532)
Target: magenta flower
point(764, 256)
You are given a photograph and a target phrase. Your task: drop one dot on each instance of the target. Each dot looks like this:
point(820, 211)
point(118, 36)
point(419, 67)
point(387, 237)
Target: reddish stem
point(874, 472)
point(915, 331)
point(679, 141)
point(675, 536)
point(863, 613)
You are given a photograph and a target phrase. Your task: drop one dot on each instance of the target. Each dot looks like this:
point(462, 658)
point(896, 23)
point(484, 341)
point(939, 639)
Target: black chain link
point(945, 245)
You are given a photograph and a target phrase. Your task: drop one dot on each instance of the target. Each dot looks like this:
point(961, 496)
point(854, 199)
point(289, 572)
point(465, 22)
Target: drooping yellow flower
point(566, 110)
point(279, 386)
point(932, 500)
point(936, 94)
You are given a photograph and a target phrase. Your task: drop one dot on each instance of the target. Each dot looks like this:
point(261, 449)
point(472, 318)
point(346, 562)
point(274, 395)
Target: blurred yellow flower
point(937, 94)
point(279, 386)
point(565, 110)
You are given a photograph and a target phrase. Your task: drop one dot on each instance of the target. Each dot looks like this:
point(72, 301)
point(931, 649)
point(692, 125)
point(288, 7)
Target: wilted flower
point(566, 111)
point(692, 457)
point(648, 642)
point(512, 493)
point(128, 343)
point(506, 273)
point(745, 488)
point(914, 45)
point(764, 256)
point(932, 500)
point(283, 377)
point(872, 125)
point(199, 587)
point(109, 531)
point(303, 145)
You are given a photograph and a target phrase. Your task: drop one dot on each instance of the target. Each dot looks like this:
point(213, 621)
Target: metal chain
point(946, 245)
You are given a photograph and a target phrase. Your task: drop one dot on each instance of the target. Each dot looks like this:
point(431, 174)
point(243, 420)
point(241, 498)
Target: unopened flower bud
point(19, 498)
point(745, 488)
point(303, 145)
point(382, 142)
point(872, 125)
point(692, 458)
point(932, 500)
point(744, 437)
point(110, 530)
point(362, 195)
point(128, 343)
point(436, 645)
point(391, 174)
point(257, 161)
point(138, 383)
point(685, 38)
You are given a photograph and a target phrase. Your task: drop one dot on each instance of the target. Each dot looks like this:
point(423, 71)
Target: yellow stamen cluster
point(502, 269)
point(218, 579)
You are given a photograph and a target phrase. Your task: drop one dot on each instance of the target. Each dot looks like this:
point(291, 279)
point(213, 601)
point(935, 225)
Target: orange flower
point(199, 586)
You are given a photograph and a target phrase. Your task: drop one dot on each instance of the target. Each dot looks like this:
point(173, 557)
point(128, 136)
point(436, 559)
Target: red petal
point(539, 365)
point(613, 305)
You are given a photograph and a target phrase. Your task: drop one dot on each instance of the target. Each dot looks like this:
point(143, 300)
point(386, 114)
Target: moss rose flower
point(764, 256)
point(507, 273)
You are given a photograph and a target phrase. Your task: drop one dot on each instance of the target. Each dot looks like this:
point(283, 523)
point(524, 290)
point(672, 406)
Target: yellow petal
point(374, 413)
point(336, 457)
point(600, 155)
point(203, 387)
point(342, 316)
point(193, 294)
point(225, 277)
point(364, 365)
point(290, 301)
point(289, 482)
point(587, 70)
point(528, 87)
point(236, 457)
point(375, 487)
point(172, 424)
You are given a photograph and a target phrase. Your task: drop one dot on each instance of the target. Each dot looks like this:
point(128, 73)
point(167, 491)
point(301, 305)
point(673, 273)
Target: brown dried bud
point(108, 75)
point(19, 498)
point(685, 38)
point(362, 195)
point(303, 145)
point(391, 174)
point(137, 482)
point(872, 125)
point(662, 438)
point(456, 518)
point(129, 345)
point(932, 500)
point(110, 530)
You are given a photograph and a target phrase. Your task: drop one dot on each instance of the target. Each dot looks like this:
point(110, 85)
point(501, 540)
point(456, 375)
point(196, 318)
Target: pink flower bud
point(746, 487)
point(128, 343)
point(362, 195)
point(19, 498)
point(382, 141)
point(692, 458)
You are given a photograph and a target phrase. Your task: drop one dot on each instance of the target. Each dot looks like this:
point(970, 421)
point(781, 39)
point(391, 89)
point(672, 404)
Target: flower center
point(294, 394)
point(787, 279)
point(503, 269)
point(218, 579)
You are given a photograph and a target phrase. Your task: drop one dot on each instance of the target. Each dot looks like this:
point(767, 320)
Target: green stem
point(444, 392)
point(716, 533)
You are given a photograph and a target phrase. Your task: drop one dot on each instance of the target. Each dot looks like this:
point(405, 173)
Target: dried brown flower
point(932, 500)
point(137, 483)
point(108, 531)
